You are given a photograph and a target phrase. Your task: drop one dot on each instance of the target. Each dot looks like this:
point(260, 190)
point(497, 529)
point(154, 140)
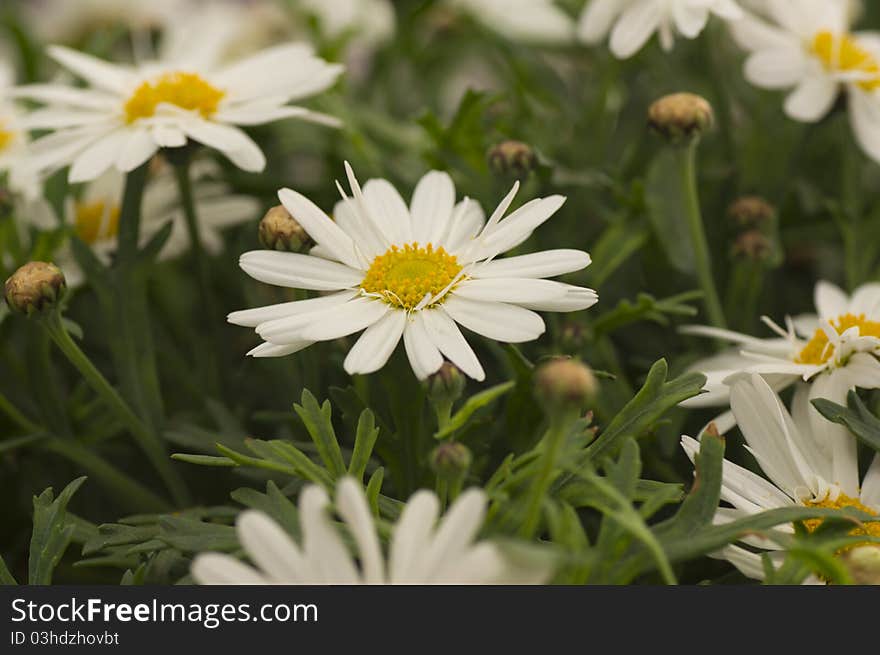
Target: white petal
point(217, 569)
point(97, 72)
point(516, 227)
point(635, 26)
point(866, 300)
point(812, 99)
point(432, 205)
point(448, 338)
point(319, 226)
point(511, 290)
point(389, 210)
point(253, 317)
point(574, 299)
point(352, 505)
point(864, 109)
point(274, 350)
point(776, 69)
point(271, 549)
point(328, 559)
point(423, 354)
point(548, 263)
point(343, 320)
point(375, 345)
point(138, 148)
point(498, 321)
point(298, 271)
point(455, 532)
point(411, 534)
point(98, 157)
point(596, 20)
point(830, 300)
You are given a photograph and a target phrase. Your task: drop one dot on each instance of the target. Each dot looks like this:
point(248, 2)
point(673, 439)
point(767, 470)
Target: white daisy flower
point(792, 451)
point(422, 551)
point(94, 215)
point(631, 23)
point(127, 113)
point(538, 21)
point(412, 272)
point(14, 141)
point(809, 48)
point(835, 350)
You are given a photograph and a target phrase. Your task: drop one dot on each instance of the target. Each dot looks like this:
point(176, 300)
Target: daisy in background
point(422, 551)
point(792, 452)
point(412, 272)
point(13, 141)
point(631, 23)
point(93, 215)
point(536, 21)
point(835, 350)
point(807, 47)
point(126, 114)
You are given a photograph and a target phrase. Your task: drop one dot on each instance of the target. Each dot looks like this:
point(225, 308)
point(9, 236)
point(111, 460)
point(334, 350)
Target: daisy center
point(185, 90)
point(818, 350)
point(95, 222)
point(404, 276)
point(842, 53)
point(869, 529)
point(6, 136)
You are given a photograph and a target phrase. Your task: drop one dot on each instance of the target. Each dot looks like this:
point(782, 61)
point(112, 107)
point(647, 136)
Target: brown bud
point(512, 158)
point(751, 211)
point(447, 384)
point(34, 287)
point(280, 231)
point(565, 383)
point(450, 460)
point(680, 116)
point(753, 245)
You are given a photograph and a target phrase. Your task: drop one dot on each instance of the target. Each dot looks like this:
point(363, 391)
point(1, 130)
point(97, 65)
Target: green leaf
point(204, 460)
point(365, 439)
point(620, 241)
point(6, 578)
point(655, 398)
point(318, 422)
point(374, 486)
point(474, 403)
point(51, 534)
point(274, 503)
point(193, 536)
point(666, 208)
point(860, 421)
point(646, 308)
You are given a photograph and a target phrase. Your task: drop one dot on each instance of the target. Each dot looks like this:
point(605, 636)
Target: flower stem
point(552, 443)
point(16, 416)
point(703, 263)
point(147, 440)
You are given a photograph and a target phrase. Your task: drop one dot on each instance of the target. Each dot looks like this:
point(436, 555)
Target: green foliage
point(51, 534)
point(857, 417)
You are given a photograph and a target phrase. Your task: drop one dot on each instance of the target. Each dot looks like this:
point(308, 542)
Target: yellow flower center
point(404, 276)
point(842, 53)
point(185, 90)
point(95, 222)
point(819, 351)
point(869, 529)
point(6, 136)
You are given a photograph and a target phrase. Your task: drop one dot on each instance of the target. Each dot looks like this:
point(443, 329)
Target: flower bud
point(280, 231)
point(447, 384)
point(451, 460)
point(751, 211)
point(572, 336)
point(680, 116)
point(753, 245)
point(512, 158)
point(34, 287)
point(863, 563)
point(565, 383)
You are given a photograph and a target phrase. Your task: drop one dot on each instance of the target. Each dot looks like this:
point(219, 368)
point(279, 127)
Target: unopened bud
point(680, 116)
point(753, 245)
point(451, 460)
point(34, 287)
point(280, 231)
point(565, 383)
point(512, 158)
point(572, 335)
point(447, 384)
point(863, 564)
point(751, 211)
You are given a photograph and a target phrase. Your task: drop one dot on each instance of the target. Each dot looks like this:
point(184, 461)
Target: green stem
point(181, 165)
point(131, 493)
point(688, 156)
point(147, 440)
point(128, 237)
point(552, 442)
point(16, 416)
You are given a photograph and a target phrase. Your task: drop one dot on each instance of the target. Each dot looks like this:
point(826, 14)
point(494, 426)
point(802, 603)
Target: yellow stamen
point(95, 222)
point(819, 351)
point(404, 276)
point(869, 529)
point(185, 90)
point(6, 136)
point(842, 53)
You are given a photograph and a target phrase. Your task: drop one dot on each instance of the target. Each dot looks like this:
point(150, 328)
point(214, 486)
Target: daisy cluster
point(414, 196)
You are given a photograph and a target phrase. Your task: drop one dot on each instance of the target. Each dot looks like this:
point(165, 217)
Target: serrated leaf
point(364, 441)
point(6, 578)
point(51, 534)
point(471, 406)
point(318, 422)
point(857, 418)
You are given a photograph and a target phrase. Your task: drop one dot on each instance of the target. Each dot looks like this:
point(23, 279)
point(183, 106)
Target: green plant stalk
point(552, 442)
point(147, 440)
point(16, 416)
point(135, 496)
point(181, 165)
point(687, 156)
point(743, 293)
